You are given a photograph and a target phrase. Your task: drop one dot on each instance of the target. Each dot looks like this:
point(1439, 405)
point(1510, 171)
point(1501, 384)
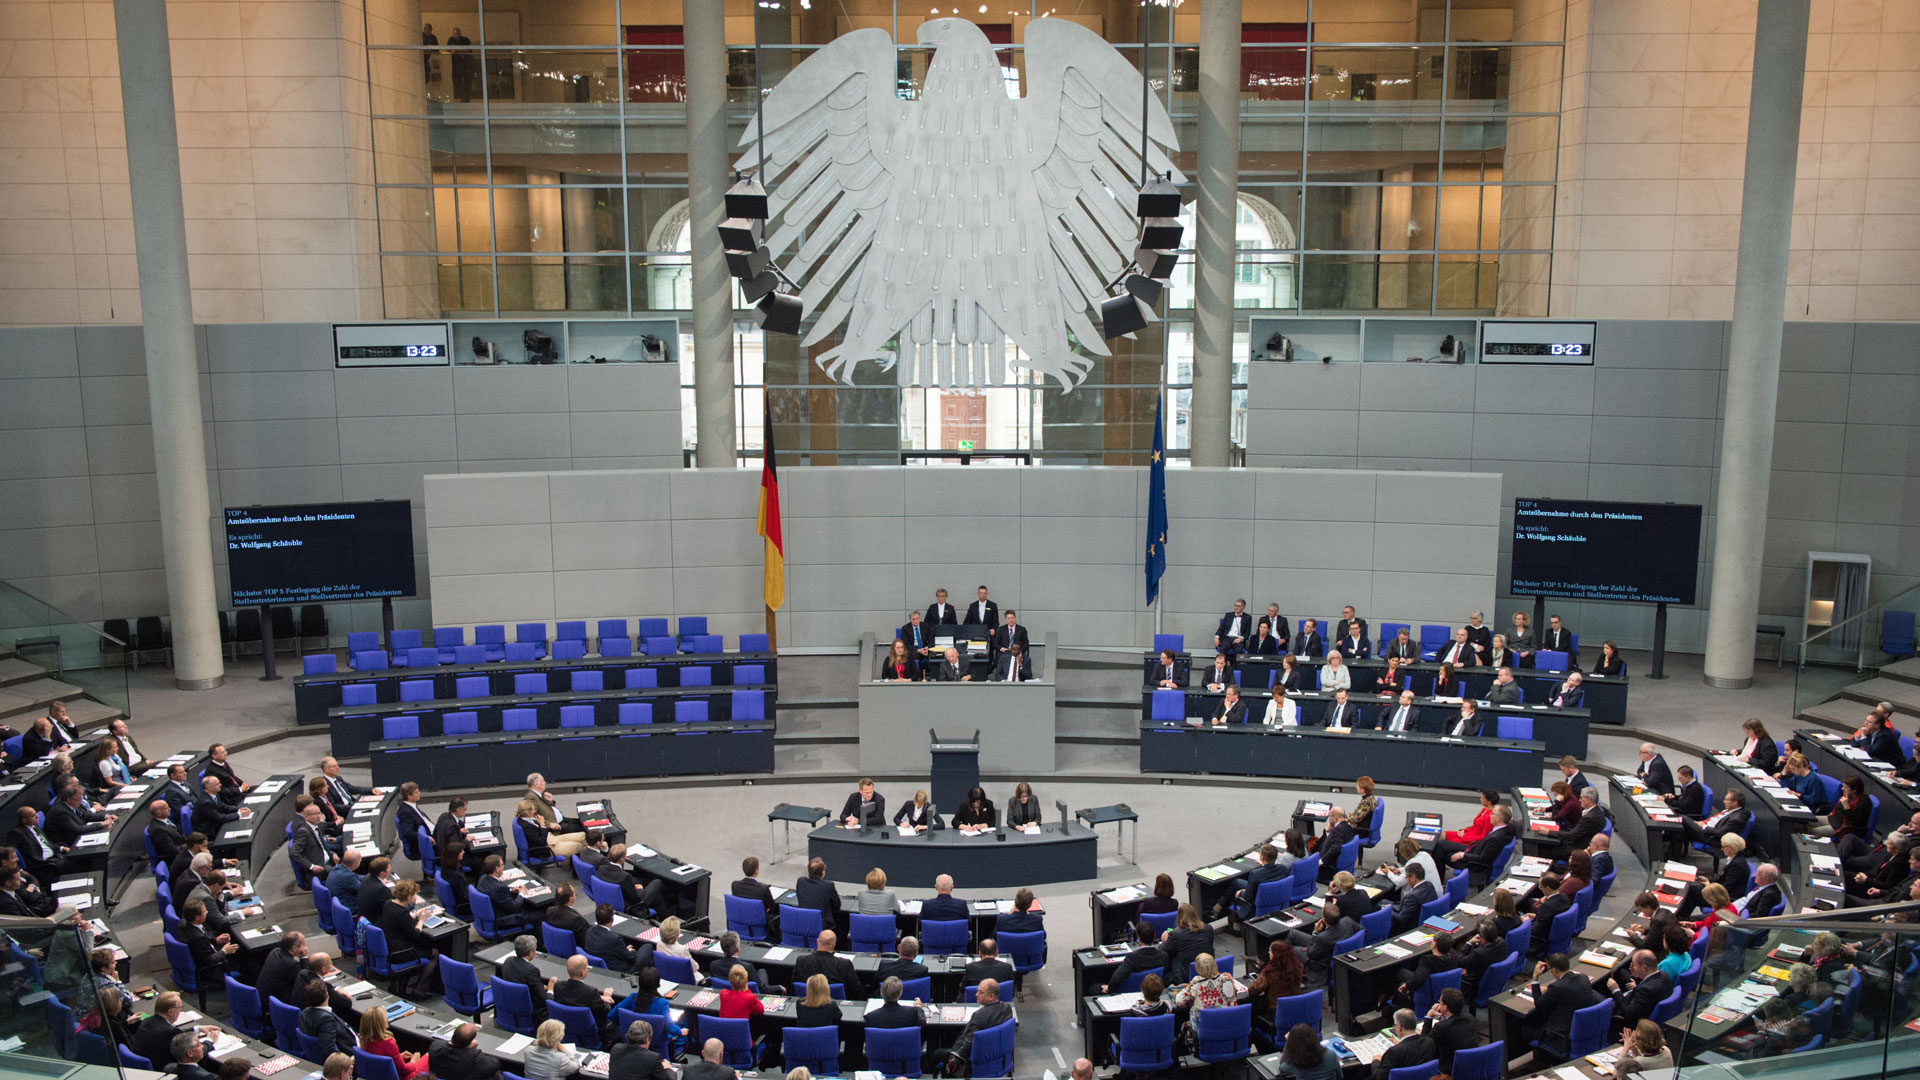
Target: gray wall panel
point(1416, 434)
point(1326, 494)
point(42, 352)
point(509, 389)
point(273, 395)
point(106, 350)
point(54, 502)
point(394, 391)
point(115, 399)
point(269, 347)
point(602, 497)
point(31, 404)
point(126, 497)
point(518, 436)
point(372, 440)
point(612, 545)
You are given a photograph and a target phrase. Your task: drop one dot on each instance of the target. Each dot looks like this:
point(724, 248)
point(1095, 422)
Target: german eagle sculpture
point(963, 218)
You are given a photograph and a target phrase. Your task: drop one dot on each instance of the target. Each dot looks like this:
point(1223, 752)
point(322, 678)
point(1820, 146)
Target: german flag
point(775, 583)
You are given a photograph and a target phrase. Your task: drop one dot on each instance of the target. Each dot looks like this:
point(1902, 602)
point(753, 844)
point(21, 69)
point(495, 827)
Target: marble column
point(1753, 348)
point(1218, 164)
point(166, 317)
point(707, 177)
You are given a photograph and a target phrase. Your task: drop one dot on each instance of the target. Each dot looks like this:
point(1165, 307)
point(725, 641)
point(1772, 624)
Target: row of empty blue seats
point(449, 646)
point(538, 682)
point(747, 706)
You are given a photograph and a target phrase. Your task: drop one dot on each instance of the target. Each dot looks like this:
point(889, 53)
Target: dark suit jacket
point(755, 889)
point(409, 819)
point(986, 1016)
point(1590, 823)
point(1409, 651)
point(1550, 905)
point(327, 1030)
point(942, 908)
point(971, 614)
point(21, 839)
point(1412, 1050)
point(374, 895)
point(608, 945)
point(1144, 958)
point(307, 849)
point(629, 1062)
point(1341, 627)
point(905, 633)
point(167, 840)
point(66, 825)
point(935, 617)
point(446, 828)
point(1467, 655)
point(978, 971)
point(1732, 822)
point(1249, 624)
point(820, 895)
point(1632, 1006)
point(34, 746)
point(1655, 775)
point(876, 812)
point(1574, 698)
point(837, 969)
point(945, 672)
point(1485, 850)
point(208, 960)
point(514, 969)
point(210, 812)
point(1560, 640)
point(1305, 644)
point(278, 974)
point(229, 780)
point(1385, 720)
point(611, 874)
point(568, 919)
point(1885, 746)
point(192, 1071)
point(1406, 910)
point(449, 1062)
point(1018, 922)
point(913, 815)
point(577, 993)
point(1498, 694)
point(1001, 639)
point(153, 1040)
point(899, 969)
point(505, 902)
point(177, 796)
point(1465, 727)
point(1690, 800)
point(14, 904)
point(1353, 649)
point(896, 1016)
point(1555, 1005)
point(1454, 1034)
point(1271, 645)
point(1230, 714)
point(1763, 900)
point(1336, 835)
point(1003, 667)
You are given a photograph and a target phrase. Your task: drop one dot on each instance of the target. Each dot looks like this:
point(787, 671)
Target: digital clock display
point(392, 344)
point(1538, 348)
point(389, 352)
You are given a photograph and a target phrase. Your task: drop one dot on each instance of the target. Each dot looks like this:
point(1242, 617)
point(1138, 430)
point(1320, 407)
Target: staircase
point(1898, 683)
point(26, 691)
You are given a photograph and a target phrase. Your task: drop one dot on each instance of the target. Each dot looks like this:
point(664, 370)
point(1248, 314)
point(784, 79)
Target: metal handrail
point(64, 618)
point(1870, 609)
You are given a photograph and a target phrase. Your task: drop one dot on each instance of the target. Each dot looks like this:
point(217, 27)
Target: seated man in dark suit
point(1552, 902)
point(822, 961)
point(950, 668)
point(164, 831)
point(1689, 799)
point(1467, 724)
point(451, 824)
point(280, 972)
point(906, 966)
point(575, 991)
point(210, 810)
point(992, 1013)
point(1403, 716)
point(729, 958)
point(210, 954)
point(1415, 1046)
point(1406, 910)
point(892, 1014)
point(1568, 695)
point(918, 640)
point(1005, 636)
point(1147, 956)
point(1022, 919)
point(1240, 899)
point(1593, 819)
point(1732, 819)
point(563, 914)
point(1479, 858)
point(1342, 713)
point(1638, 990)
point(638, 900)
point(1308, 641)
point(519, 968)
point(1653, 772)
point(603, 941)
point(1232, 710)
point(1235, 628)
point(71, 818)
point(1558, 993)
point(865, 806)
point(460, 1059)
point(816, 892)
point(751, 887)
point(1339, 831)
point(988, 966)
point(1450, 1028)
point(38, 853)
point(153, 1039)
point(178, 790)
point(509, 909)
point(942, 906)
point(1012, 664)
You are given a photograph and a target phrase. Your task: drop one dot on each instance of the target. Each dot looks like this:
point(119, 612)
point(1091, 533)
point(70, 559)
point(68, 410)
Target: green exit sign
point(966, 446)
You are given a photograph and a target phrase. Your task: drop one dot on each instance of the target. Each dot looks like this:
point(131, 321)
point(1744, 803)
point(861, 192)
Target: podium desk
point(1015, 720)
point(1058, 852)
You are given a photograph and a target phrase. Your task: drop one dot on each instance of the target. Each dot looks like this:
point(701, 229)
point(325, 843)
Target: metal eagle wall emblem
point(965, 218)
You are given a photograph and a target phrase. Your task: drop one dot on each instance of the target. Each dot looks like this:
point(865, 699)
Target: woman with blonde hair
point(1189, 937)
point(736, 1001)
point(817, 1008)
point(876, 898)
point(918, 815)
point(1643, 1049)
point(1208, 989)
point(670, 938)
point(542, 838)
point(377, 1039)
point(111, 761)
point(547, 1059)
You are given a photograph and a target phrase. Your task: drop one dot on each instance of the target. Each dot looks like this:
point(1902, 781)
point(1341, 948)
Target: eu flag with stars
point(1157, 506)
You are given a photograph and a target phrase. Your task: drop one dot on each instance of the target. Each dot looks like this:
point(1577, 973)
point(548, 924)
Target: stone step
point(15, 670)
point(33, 696)
point(86, 712)
point(1840, 716)
point(1907, 670)
point(1904, 696)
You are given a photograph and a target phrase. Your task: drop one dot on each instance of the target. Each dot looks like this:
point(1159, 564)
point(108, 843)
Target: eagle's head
point(964, 66)
point(938, 32)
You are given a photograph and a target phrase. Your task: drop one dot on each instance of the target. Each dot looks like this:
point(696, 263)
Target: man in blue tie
point(919, 642)
point(1404, 716)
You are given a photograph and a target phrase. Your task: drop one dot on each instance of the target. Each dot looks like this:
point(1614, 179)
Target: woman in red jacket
point(736, 1001)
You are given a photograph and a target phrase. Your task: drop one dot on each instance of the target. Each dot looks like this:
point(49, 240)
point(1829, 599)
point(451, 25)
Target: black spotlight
point(759, 285)
point(1161, 233)
point(748, 264)
point(779, 313)
point(1158, 199)
point(1156, 263)
point(1122, 315)
point(747, 199)
point(742, 234)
